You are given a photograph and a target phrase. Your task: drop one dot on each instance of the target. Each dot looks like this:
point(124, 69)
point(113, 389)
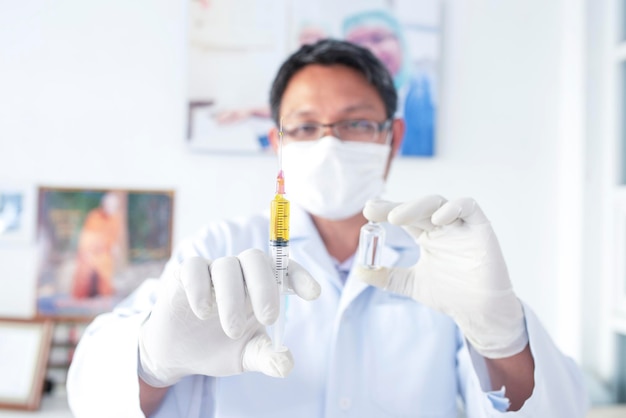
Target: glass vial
point(371, 242)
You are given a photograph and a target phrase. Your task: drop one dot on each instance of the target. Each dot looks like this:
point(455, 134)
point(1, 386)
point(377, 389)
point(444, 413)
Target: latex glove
point(210, 318)
point(460, 272)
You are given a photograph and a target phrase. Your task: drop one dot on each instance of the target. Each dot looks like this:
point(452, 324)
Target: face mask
point(331, 178)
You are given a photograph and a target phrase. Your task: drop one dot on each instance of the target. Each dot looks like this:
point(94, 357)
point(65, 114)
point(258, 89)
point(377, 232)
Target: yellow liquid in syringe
point(279, 219)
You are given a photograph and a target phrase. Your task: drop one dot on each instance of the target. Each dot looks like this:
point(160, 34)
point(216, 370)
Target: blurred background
point(530, 122)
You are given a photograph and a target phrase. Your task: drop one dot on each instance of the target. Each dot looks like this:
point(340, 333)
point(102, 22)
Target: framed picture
point(237, 46)
point(16, 213)
point(24, 348)
point(96, 246)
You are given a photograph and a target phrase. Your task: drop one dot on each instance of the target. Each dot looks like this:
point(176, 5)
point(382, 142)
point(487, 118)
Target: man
point(195, 345)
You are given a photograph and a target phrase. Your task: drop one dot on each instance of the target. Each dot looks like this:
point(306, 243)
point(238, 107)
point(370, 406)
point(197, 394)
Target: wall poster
point(97, 245)
point(236, 47)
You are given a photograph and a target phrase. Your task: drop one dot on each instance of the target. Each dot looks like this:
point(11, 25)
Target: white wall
point(93, 94)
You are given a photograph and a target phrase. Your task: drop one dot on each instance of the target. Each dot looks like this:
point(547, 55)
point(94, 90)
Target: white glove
point(210, 317)
point(460, 272)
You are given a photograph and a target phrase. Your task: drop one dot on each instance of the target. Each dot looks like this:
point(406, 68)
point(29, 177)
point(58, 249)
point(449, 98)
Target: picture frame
point(16, 213)
point(24, 350)
point(95, 246)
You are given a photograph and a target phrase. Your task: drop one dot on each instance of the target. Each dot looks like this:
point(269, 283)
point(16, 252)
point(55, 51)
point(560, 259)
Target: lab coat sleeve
point(102, 379)
point(559, 390)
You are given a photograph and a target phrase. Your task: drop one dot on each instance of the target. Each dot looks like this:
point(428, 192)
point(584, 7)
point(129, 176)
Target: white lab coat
point(359, 351)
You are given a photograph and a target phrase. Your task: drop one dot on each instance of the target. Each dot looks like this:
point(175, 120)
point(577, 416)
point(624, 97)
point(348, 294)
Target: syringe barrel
point(280, 255)
point(279, 247)
point(371, 242)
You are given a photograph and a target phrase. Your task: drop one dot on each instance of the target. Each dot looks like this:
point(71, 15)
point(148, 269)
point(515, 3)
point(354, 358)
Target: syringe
point(279, 246)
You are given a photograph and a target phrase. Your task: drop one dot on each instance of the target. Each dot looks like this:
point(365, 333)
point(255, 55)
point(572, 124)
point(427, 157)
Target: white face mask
point(332, 178)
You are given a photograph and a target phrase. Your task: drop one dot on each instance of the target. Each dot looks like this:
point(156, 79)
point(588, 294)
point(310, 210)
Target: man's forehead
point(332, 80)
point(336, 89)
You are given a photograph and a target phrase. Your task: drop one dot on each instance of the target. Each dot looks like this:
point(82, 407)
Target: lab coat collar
point(301, 224)
point(307, 243)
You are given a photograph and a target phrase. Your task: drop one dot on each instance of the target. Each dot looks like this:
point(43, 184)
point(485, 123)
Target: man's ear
point(273, 138)
point(397, 135)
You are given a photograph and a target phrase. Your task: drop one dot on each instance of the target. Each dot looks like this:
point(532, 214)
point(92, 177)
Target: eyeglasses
point(357, 130)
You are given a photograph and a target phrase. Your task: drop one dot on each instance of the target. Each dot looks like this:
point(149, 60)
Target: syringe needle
point(280, 146)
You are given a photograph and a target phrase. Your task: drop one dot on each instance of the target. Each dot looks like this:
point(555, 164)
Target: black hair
point(335, 52)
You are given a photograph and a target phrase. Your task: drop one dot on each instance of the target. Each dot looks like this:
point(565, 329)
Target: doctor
point(440, 323)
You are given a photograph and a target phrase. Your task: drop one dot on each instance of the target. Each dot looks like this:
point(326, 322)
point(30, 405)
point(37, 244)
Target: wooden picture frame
point(95, 246)
point(24, 350)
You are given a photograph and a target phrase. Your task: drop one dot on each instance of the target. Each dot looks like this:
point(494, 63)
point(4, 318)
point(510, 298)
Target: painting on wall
point(237, 46)
point(97, 245)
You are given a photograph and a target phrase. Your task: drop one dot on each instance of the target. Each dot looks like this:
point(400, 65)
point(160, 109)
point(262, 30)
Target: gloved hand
point(210, 317)
point(460, 272)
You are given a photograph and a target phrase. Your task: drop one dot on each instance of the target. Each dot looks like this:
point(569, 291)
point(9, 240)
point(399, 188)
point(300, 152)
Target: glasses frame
point(380, 128)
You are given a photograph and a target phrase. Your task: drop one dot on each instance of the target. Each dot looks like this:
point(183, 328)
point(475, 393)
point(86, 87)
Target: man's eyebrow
point(359, 107)
point(301, 113)
point(347, 110)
